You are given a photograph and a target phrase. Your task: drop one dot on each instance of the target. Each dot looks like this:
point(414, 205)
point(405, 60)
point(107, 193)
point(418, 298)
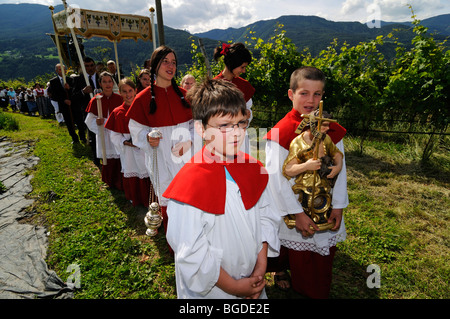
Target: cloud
point(397, 10)
point(203, 15)
point(352, 5)
point(391, 10)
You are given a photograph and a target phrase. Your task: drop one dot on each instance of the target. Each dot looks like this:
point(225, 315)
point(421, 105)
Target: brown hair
point(126, 81)
point(215, 97)
point(306, 72)
point(103, 74)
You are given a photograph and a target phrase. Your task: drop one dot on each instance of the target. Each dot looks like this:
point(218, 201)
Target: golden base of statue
point(318, 209)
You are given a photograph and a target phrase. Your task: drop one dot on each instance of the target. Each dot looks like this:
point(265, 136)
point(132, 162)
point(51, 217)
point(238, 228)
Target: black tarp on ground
point(23, 271)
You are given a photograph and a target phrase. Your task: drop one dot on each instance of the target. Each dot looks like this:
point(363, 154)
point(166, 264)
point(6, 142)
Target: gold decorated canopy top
point(113, 26)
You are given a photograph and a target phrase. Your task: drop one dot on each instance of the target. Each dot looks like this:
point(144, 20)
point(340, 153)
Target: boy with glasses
point(221, 223)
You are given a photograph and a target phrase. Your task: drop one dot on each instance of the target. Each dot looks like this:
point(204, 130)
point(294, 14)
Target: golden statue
point(314, 161)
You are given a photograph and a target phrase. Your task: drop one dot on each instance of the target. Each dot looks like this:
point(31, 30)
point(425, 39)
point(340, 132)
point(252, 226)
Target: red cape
point(169, 110)
point(108, 104)
point(242, 85)
point(202, 183)
point(284, 131)
point(117, 120)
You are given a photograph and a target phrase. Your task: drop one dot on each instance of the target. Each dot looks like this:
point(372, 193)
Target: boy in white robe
point(307, 252)
point(221, 222)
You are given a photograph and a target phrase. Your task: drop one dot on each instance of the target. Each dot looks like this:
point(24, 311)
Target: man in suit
point(112, 68)
point(81, 95)
point(61, 93)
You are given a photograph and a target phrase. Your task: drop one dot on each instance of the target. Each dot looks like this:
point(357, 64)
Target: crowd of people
point(223, 211)
point(33, 101)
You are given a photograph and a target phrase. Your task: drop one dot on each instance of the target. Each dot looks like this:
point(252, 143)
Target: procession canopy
point(112, 26)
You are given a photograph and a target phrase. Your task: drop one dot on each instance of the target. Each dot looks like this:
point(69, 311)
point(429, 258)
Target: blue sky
point(203, 15)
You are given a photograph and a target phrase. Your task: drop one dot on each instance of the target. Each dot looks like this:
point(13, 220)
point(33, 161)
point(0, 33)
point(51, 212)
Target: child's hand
point(180, 148)
point(260, 283)
point(250, 287)
point(100, 121)
point(336, 216)
point(153, 141)
point(305, 225)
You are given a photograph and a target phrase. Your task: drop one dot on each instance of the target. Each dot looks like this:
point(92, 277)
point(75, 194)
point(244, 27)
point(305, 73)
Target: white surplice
point(91, 123)
point(168, 164)
point(204, 242)
point(132, 159)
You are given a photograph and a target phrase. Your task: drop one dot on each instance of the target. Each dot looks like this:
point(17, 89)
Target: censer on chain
point(153, 218)
point(316, 201)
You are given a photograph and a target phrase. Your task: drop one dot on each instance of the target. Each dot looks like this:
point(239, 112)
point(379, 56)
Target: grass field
point(397, 220)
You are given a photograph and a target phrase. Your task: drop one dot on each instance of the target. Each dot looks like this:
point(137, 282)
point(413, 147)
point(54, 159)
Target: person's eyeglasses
point(226, 128)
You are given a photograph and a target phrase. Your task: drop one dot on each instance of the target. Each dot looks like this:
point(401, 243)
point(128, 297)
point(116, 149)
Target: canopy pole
point(159, 17)
point(152, 19)
point(58, 47)
point(77, 47)
point(117, 60)
point(86, 79)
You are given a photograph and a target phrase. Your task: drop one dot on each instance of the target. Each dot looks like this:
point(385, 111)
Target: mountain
point(23, 21)
point(316, 33)
point(27, 51)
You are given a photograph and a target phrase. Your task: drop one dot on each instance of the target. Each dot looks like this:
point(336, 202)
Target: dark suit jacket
point(78, 97)
point(58, 93)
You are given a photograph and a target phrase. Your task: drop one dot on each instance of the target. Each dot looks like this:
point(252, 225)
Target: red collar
point(202, 183)
point(284, 131)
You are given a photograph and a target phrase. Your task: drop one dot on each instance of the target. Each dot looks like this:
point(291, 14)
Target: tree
point(419, 84)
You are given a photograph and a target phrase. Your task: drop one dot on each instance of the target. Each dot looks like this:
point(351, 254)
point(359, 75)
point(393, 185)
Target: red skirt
point(137, 190)
point(311, 273)
point(111, 173)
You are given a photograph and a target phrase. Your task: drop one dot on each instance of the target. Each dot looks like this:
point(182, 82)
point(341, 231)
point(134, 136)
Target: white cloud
point(204, 15)
point(352, 5)
point(397, 10)
point(392, 10)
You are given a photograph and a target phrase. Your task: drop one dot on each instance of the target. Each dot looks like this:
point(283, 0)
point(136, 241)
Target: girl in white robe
point(136, 181)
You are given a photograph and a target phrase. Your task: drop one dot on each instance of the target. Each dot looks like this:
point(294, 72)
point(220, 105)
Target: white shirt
point(168, 164)
point(204, 242)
